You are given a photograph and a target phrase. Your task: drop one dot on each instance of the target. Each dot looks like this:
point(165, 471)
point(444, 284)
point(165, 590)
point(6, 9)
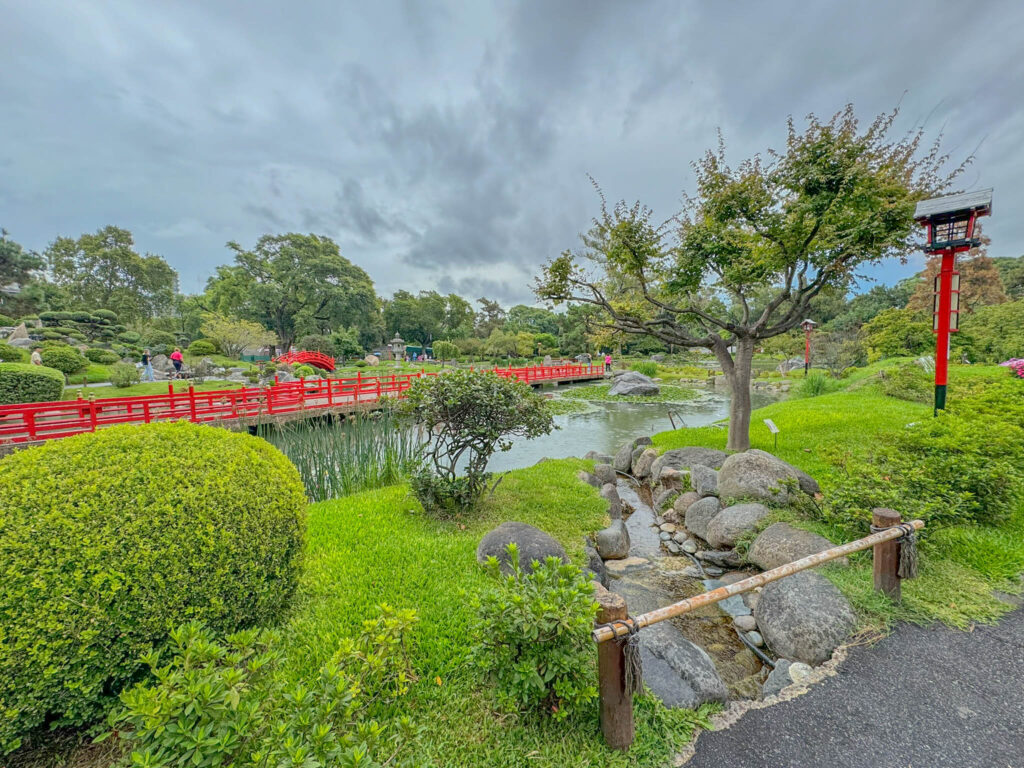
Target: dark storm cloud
point(447, 145)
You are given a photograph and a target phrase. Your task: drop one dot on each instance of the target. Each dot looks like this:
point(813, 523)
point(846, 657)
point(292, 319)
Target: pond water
point(609, 425)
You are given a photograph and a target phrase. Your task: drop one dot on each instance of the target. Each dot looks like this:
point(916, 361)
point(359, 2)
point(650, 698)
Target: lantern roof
point(808, 321)
point(979, 202)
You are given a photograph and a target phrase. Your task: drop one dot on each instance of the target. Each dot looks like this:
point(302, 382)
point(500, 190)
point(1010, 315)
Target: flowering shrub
point(1016, 366)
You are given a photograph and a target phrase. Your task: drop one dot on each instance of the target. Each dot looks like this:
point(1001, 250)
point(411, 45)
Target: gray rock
point(689, 546)
point(755, 639)
point(642, 440)
point(807, 483)
point(631, 383)
point(725, 558)
point(751, 598)
point(613, 541)
point(679, 537)
point(605, 473)
point(23, 343)
point(668, 527)
point(745, 623)
point(781, 543)
point(687, 458)
point(730, 606)
point(732, 522)
point(20, 333)
point(665, 498)
point(671, 516)
point(700, 514)
point(618, 568)
point(684, 501)
point(596, 565)
point(672, 547)
point(670, 477)
point(611, 494)
point(623, 461)
point(161, 363)
point(704, 480)
point(778, 679)
point(756, 475)
point(804, 617)
point(532, 542)
point(599, 458)
point(588, 478)
point(635, 457)
point(642, 466)
point(798, 671)
point(665, 536)
point(710, 570)
point(733, 576)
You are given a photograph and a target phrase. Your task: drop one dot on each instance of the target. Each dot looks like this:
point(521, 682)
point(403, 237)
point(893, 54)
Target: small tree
point(467, 416)
point(232, 336)
point(755, 245)
point(839, 351)
point(445, 350)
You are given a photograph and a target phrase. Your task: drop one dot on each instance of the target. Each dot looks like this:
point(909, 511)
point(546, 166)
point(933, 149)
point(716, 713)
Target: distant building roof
point(965, 201)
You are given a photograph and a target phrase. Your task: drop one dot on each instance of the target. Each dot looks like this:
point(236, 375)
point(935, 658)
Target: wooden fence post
point(887, 554)
point(615, 701)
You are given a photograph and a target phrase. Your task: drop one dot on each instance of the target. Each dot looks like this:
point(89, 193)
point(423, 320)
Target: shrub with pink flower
point(1016, 366)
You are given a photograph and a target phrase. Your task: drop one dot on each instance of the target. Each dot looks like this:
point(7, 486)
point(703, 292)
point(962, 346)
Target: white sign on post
point(774, 430)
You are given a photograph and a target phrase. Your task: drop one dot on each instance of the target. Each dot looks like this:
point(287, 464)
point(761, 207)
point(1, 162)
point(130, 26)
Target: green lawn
point(961, 565)
point(146, 388)
point(378, 547)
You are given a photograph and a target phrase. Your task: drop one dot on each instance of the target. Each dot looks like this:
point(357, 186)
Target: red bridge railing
point(31, 422)
point(319, 359)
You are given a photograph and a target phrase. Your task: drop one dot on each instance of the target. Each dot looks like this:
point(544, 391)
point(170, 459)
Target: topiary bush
point(124, 375)
point(129, 337)
point(65, 359)
point(304, 371)
point(26, 383)
point(159, 342)
point(101, 356)
point(9, 354)
point(201, 347)
point(110, 539)
point(106, 314)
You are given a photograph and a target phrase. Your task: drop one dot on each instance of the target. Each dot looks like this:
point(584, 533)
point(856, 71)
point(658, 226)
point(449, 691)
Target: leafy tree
point(898, 333)
point(865, 306)
point(458, 317)
point(980, 284)
point(755, 245)
point(346, 343)
point(502, 344)
point(994, 333)
point(838, 351)
point(104, 270)
point(316, 343)
point(293, 284)
point(467, 416)
point(531, 319)
point(416, 318)
point(1012, 273)
point(445, 350)
point(490, 317)
point(233, 335)
point(19, 269)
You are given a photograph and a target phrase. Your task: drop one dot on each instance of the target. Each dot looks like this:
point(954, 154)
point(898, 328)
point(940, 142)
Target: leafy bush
point(106, 314)
point(816, 383)
point(159, 342)
point(6, 321)
point(647, 368)
point(445, 350)
point(82, 316)
point(9, 354)
point(304, 371)
point(907, 382)
point(25, 383)
point(897, 333)
point(317, 343)
point(110, 538)
point(65, 359)
point(201, 347)
point(101, 356)
point(124, 374)
point(469, 415)
point(53, 335)
point(130, 337)
point(533, 636)
point(360, 363)
point(221, 703)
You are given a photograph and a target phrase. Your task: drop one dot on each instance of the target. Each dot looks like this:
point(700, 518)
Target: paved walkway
point(924, 697)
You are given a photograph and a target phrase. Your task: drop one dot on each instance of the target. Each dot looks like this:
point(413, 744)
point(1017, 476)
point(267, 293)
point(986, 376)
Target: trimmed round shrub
point(304, 371)
point(9, 354)
point(82, 316)
point(65, 359)
point(27, 383)
point(53, 335)
point(6, 321)
point(201, 347)
point(110, 539)
point(101, 356)
point(106, 314)
point(163, 339)
point(129, 337)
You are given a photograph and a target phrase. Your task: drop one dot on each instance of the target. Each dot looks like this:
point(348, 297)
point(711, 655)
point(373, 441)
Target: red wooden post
point(302, 393)
point(92, 413)
point(276, 380)
point(145, 411)
point(887, 554)
point(330, 392)
point(191, 403)
point(30, 424)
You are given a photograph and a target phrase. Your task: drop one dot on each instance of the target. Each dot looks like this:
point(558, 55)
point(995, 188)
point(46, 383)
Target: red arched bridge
point(245, 406)
point(317, 359)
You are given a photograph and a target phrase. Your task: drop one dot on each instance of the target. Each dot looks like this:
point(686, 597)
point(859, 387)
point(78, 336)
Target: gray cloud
point(446, 145)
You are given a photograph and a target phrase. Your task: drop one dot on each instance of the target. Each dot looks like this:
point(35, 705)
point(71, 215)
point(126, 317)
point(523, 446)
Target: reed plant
point(336, 458)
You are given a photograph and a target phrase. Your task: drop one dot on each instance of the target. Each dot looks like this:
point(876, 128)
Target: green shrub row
point(101, 356)
point(10, 354)
point(26, 383)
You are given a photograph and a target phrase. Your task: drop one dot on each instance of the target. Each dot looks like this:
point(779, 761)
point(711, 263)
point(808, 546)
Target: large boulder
point(756, 475)
point(633, 383)
point(807, 483)
point(684, 501)
point(161, 363)
point(610, 493)
point(700, 513)
point(598, 457)
point(588, 478)
point(781, 543)
point(642, 465)
point(613, 541)
point(704, 480)
point(804, 617)
point(595, 565)
point(533, 544)
point(624, 458)
point(605, 473)
point(687, 458)
point(732, 522)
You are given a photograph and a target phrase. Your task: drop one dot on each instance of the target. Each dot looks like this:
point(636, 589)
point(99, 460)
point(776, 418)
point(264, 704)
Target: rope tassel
point(633, 672)
point(908, 553)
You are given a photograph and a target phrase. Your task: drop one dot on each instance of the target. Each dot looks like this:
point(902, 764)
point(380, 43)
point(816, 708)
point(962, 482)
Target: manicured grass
point(960, 565)
point(599, 393)
point(378, 547)
point(146, 388)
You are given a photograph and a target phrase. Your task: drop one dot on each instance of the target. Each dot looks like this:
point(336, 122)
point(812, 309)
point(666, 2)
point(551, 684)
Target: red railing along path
point(32, 422)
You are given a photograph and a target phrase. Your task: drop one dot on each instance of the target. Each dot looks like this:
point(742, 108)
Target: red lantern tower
point(950, 225)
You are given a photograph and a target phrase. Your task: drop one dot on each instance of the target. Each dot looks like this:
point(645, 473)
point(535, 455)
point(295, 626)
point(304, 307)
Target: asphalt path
point(923, 697)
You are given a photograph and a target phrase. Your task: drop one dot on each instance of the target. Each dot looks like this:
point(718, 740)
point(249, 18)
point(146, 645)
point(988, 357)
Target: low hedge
point(110, 539)
point(26, 383)
point(65, 359)
point(12, 354)
point(201, 347)
point(101, 356)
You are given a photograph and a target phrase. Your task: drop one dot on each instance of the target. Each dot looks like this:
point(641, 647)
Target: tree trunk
point(736, 368)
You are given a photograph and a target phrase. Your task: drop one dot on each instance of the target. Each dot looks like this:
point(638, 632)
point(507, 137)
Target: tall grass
point(339, 458)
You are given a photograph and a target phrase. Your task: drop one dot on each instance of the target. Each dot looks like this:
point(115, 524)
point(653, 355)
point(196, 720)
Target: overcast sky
point(447, 145)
